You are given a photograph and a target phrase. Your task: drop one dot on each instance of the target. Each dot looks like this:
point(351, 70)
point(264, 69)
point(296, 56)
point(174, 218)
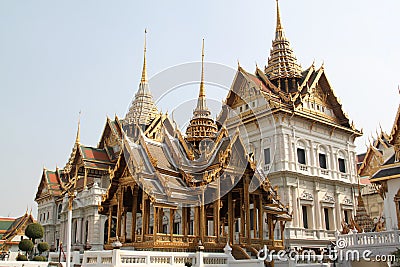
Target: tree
point(42, 247)
point(39, 258)
point(26, 245)
point(22, 257)
point(34, 231)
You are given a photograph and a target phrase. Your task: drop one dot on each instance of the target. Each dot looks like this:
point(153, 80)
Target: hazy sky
point(60, 57)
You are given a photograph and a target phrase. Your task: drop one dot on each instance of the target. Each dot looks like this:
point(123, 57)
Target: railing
point(303, 167)
point(324, 172)
point(374, 239)
point(127, 258)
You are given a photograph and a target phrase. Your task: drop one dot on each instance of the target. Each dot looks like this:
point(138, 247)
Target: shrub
point(42, 247)
point(25, 245)
point(34, 231)
point(39, 258)
point(22, 257)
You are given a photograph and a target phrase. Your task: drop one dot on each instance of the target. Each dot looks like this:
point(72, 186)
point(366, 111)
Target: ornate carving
point(347, 201)
point(328, 198)
point(306, 196)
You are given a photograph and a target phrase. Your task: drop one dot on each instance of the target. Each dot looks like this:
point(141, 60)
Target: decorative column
point(123, 233)
point(120, 197)
point(196, 223)
point(78, 232)
point(247, 208)
point(171, 222)
point(338, 217)
point(318, 210)
point(144, 215)
point(230, 218)
point(134, 212)
point(71, 197)
point(202, 216)
point(110, 211)
point(242, 215)
point(216, 217)
point(155, 223)
point(185, 221)
point(260, 218)
point(254, 216)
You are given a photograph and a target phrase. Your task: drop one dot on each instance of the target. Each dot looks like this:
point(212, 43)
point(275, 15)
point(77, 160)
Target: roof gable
point(50, 184)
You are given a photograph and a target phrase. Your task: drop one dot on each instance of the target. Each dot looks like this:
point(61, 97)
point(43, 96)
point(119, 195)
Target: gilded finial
point(78, 132)
point(278, 17)
point(144, 71)
point(202, 92)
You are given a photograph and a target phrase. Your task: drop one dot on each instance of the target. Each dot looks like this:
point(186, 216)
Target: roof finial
point(144, 71)
point(78, 132)
point(278, 17)
point(202, 92)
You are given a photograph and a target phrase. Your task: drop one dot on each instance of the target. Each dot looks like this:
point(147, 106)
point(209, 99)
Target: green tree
point(26, 245)
point(39, 258)
point(22, 257)
point(42, 247)
point(34, 231)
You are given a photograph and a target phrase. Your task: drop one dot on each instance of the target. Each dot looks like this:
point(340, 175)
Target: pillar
point(134, 211)
point(110, 211)
point(247, 209)
point(230, 218)
point(184, 221)
point(260, 217)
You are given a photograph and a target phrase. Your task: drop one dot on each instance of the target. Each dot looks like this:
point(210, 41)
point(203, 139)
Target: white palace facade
point(301, 137)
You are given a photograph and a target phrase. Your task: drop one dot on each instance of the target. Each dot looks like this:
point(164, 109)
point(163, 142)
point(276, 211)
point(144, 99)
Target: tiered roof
point(201, 125)
point(170, 177)
point(282, 62)
point(289, 89)
point(143, 109)
point(14, 228)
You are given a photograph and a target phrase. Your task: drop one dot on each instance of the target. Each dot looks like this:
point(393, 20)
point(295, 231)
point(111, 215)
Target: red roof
point(365, 181)
point(96, 154)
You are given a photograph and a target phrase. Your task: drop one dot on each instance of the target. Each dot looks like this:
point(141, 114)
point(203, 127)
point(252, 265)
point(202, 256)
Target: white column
point(78, 230)
point(317, 210)
point(69, 230)
point(295, 208)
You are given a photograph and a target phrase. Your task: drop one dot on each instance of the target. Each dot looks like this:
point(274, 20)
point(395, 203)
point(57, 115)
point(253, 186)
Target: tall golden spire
point(78, 132)
point(278, 17)
point(201, 125)
point(144, 71)
point(282, 62)
point(143, 109)
point(202, 91)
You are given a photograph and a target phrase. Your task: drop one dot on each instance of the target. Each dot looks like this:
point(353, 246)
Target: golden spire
point(282, 62)
point(202, 92)
point(144, 71)
point(78, 132)
point(278, 17)
point(201, 125)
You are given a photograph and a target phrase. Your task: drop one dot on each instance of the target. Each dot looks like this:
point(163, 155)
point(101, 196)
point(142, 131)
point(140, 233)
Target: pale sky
point(61, 57)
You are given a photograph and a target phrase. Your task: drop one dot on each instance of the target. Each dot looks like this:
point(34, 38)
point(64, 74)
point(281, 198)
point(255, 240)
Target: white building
point(299, 134)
